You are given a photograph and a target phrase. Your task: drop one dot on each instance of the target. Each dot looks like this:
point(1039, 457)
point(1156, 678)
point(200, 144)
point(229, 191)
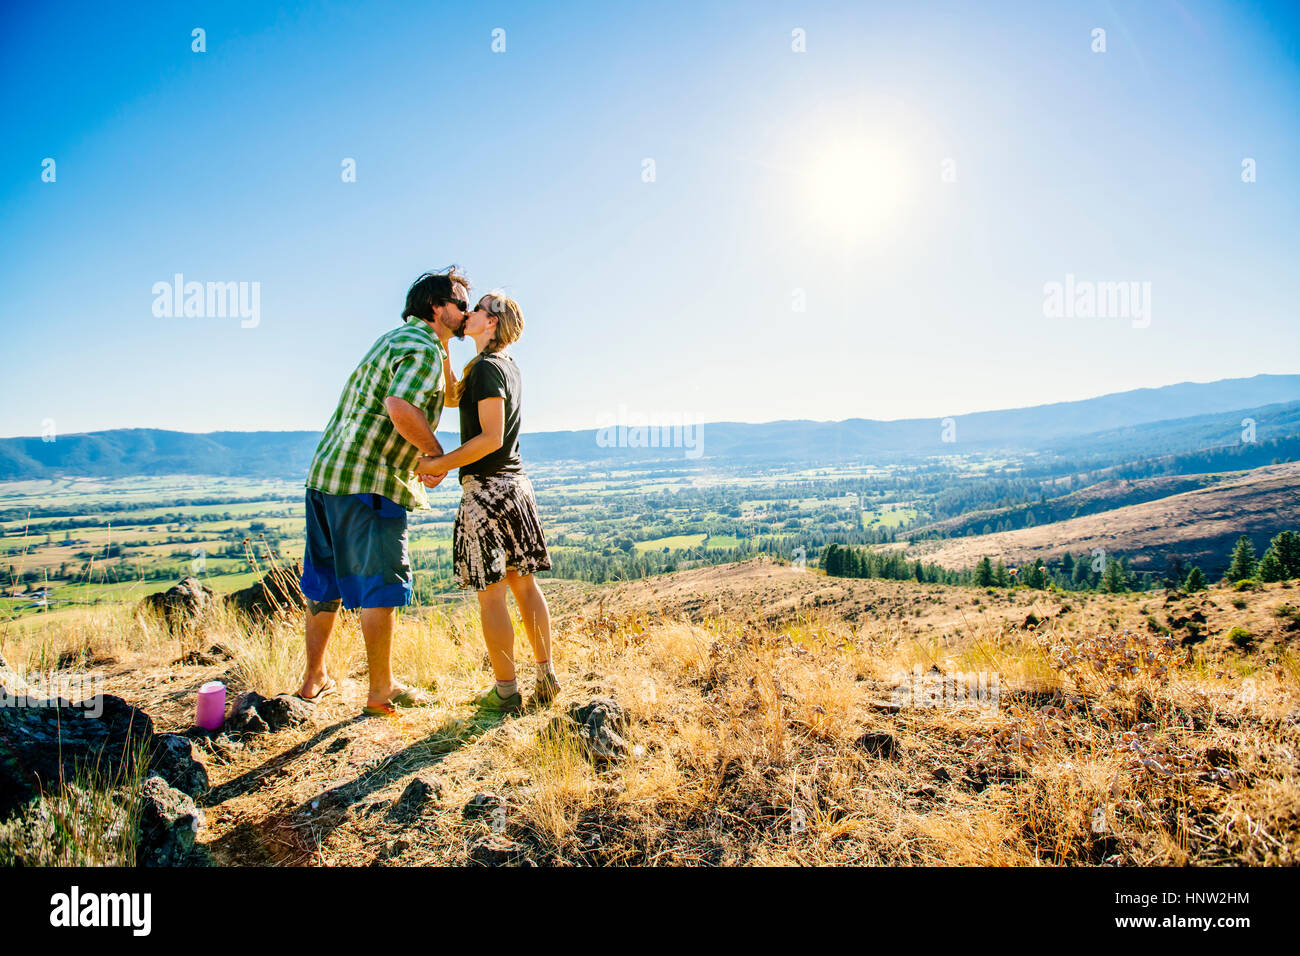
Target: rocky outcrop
point(175, 759)
point(498, 850)
point(420, 796)
point(182, 605)
point(48, 748)
point(44, 741)
point(598, 727)
point(483, 805)
point(255, 714)
point(169, 823)
point(277, 593)
point(877, 744)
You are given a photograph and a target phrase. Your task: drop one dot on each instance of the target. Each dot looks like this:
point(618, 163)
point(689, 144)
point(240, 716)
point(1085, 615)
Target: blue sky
point(782, 179)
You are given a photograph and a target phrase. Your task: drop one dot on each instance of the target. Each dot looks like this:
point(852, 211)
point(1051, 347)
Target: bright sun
point(856, 188)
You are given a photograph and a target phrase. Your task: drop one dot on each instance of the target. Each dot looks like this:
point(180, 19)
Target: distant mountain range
point(1169, 420)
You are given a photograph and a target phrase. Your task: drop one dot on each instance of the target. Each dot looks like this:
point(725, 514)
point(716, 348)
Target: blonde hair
point(510, 327)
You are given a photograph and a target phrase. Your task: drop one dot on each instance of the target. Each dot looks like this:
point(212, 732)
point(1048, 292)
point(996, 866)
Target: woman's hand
point(431, 465)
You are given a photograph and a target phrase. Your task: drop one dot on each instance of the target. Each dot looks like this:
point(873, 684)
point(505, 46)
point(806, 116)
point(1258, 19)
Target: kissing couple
point(376, 458)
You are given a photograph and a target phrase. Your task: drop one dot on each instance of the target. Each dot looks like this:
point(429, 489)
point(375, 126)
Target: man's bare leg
point(319, 628)
point(377, 629)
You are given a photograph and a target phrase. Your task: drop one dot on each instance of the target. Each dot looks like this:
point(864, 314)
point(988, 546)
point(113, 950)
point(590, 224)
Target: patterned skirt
point(496, 529)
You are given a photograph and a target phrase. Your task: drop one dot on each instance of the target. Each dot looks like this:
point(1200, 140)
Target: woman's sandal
point(492, 701)
point(407, 697)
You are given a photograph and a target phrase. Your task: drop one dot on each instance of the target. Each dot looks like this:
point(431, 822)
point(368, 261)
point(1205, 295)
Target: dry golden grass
point(764, 743)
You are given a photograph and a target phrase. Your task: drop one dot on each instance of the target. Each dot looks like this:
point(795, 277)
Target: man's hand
point(432, 481)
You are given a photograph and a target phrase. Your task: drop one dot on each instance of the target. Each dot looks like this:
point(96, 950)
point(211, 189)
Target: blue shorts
point(356, 552)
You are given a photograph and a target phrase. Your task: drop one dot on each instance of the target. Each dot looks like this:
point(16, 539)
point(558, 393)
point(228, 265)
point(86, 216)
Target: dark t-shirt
point(493, 376)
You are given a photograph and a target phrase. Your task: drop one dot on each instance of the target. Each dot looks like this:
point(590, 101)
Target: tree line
point(1280, 562)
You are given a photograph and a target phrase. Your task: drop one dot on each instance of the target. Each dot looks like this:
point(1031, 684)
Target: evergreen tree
point(1114, 580)
point(1243, 561)
point(1270, 567)
point(984, 573)
point(1287, 546)
point(1038, 574)
point(1195, 580)
point(1001, 578)
point(1067, 564)
point(1174, 572)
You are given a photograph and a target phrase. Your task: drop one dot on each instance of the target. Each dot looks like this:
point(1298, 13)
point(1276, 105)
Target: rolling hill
point(1138, 423)
point(1199, 525)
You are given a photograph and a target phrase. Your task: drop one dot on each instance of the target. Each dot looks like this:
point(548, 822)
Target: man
point(362, 482)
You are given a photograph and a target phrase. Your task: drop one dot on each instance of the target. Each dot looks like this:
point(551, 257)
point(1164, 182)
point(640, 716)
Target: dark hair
point(432, 288)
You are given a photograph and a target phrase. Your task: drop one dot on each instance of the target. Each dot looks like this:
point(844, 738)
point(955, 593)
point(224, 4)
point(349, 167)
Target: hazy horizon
point(909, 418)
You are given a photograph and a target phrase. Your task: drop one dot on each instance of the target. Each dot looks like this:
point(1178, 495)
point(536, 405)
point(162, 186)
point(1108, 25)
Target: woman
point(497, 543)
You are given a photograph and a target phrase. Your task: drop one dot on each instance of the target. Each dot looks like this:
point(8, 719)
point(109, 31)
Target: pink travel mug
point(211, 712)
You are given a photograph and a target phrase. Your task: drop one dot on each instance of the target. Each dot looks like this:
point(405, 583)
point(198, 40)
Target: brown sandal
point(407, 697)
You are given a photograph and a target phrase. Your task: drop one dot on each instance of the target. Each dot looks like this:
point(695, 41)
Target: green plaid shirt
point(360, 450)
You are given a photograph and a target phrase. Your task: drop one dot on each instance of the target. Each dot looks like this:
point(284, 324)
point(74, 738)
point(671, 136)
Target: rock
point(195, 659)
point(597, 726)
point(244, 717)
point(10, 682)
point(878, 745)
point(497, 850)
point(174, 760)
point(68, 827)
point(277, 592)
point(43, 741)
point(169, 822)
point(285, 710)
point(181, 605)
point(482, 805)
point(419, 796)
point(255, 714)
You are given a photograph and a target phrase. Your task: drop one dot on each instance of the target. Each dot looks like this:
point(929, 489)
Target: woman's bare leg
point(498, 633)
point(534, 613)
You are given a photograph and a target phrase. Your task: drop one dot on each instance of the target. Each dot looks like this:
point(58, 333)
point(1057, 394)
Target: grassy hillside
point(775, 716)
point(1198, 525)
point(1103, 496)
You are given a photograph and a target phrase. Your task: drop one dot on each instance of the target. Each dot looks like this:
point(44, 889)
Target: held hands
point(430, 470)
